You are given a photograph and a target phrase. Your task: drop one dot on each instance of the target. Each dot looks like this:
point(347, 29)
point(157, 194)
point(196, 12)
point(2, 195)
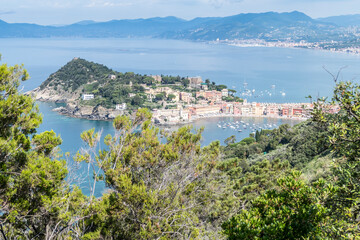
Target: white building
point(225, 92)
point(112, 76)
point(184, 114)
point(86, 97)
point(121, 106)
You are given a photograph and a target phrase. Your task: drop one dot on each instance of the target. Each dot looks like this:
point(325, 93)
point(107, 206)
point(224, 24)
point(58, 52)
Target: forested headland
point(287, 183)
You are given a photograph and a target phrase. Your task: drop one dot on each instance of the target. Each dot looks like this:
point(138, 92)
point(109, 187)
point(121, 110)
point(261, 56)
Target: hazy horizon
point(56, 12)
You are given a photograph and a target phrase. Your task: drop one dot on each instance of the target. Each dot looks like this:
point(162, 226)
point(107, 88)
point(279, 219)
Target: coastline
point(64, 111)
point(350, 50)
point(235, 116)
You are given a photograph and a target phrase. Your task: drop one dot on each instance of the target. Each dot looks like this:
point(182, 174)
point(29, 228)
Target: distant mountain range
point(269, 26)
point(344, 20)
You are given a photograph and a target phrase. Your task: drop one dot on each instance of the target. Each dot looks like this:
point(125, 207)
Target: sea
point(259, 74)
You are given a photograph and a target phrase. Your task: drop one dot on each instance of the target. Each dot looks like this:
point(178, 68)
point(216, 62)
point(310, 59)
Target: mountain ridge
point(268, 25)
point(343, 20)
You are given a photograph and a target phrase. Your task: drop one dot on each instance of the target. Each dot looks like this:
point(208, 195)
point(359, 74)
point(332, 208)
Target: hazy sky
point(70, 11)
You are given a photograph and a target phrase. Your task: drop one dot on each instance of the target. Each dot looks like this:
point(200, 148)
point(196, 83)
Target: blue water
point(297, 72)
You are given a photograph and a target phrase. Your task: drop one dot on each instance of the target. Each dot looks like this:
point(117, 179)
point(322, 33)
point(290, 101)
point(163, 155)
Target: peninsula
point(94, 91)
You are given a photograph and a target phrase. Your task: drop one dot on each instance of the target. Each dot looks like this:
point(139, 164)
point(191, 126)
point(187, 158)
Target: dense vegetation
point(166, 186)
point(111, 87)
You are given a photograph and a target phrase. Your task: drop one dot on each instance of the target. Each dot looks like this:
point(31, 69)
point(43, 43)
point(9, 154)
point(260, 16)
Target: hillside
point(267, 26)
point(343, 20)
point(94, 91)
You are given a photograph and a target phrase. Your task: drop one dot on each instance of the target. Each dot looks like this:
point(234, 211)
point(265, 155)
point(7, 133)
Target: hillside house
point(87, 97)
point(121, 107)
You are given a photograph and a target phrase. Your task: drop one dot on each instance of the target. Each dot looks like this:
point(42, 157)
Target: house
point(297, 112)
point(204, 86)
point(185, 97)
point(157, 78)
point(272, 109)
point(245, 110)
point(184, 115)
point(225, 92)
point(205, 110)
point(286, 111)
point(209, 95)
point(87, 97)
point(112, 76)
point(121, 106)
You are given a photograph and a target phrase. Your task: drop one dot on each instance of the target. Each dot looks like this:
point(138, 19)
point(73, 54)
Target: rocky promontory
point(88, 112)
point(70, 83)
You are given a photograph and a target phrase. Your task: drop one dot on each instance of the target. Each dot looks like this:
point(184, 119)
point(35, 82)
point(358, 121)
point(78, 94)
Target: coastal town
point(332, 46)
point(200, 102)
point(104, 94)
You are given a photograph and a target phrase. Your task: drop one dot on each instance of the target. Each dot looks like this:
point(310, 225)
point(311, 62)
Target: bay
point(296, 72)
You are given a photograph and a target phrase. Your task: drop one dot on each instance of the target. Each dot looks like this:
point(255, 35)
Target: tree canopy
point(297, 182)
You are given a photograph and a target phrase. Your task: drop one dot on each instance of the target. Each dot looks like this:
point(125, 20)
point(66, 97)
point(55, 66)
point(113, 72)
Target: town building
point(204, 86)
point(225, 92)
point(272, 110)
point(157, 78)
point(195, 82)
point(205, 110)
point(112, 76)
point(209, 95)
point(186, 97)
point(87, 97)
point(121, 107)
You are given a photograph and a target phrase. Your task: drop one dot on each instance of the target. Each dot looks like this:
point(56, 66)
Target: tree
point(257, 136)
point(35, 200)
point(156, 189)
point(230, 140)
point(232, 92)
point(294, 211)
point(137, 101)
point(159, 96)
point(185, 82)
point(344, 129)
point(171, 97)
point(220, 87)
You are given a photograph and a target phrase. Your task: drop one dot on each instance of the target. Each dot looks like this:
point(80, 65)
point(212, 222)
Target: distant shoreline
point(351, 51)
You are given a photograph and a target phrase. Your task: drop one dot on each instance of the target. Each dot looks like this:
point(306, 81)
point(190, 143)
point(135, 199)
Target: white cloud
point(107, 3)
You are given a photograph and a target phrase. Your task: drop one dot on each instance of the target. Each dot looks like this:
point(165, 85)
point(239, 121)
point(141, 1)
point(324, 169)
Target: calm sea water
point(296, 72)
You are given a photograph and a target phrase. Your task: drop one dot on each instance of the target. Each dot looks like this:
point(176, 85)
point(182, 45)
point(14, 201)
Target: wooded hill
point(109, 87)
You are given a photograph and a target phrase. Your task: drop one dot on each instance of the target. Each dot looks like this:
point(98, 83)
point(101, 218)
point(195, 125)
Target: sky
point(59, 12)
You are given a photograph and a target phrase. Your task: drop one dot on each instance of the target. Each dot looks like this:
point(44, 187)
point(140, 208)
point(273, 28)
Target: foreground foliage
point(163, 185)
point(36, 201)
point(324, 209)
point(294, 211)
